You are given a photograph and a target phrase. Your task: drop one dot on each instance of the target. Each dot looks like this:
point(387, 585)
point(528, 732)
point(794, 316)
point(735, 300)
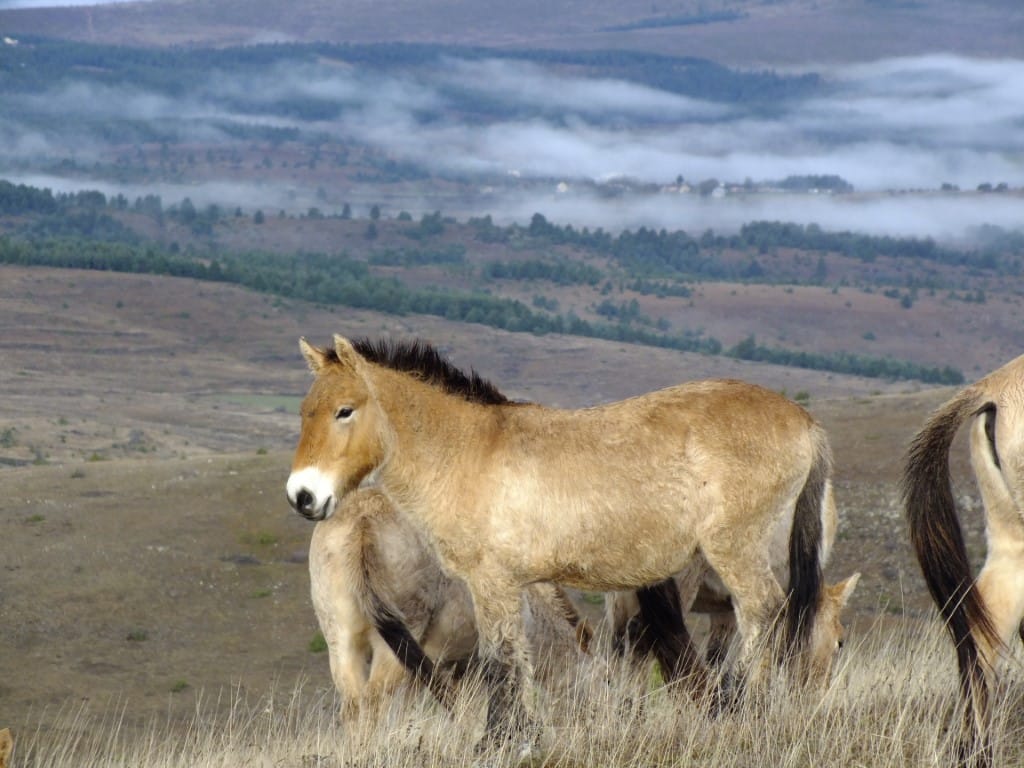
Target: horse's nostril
point(304, 501)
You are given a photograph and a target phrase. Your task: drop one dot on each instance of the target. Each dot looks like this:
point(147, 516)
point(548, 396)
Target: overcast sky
point(10, 4)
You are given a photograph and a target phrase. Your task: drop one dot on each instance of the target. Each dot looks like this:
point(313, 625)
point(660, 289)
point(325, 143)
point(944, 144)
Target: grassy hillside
point(884, 307)
point(155, 593)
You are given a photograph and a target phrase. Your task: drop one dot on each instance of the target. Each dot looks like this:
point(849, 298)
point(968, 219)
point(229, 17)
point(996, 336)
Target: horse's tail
point(938, 540)
point(806, 546)
point(582, 630)
point(387, 617)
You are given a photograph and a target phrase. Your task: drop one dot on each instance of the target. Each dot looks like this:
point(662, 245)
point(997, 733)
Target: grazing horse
point(613, 497)
point(981, 616)
point(377, 587)
point(701, 591)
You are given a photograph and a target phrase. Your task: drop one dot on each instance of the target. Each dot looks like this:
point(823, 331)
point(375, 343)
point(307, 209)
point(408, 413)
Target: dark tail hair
point(389, 622)
point(805, 577)
point(938, 538)
point(581, 627)
point(664, 633)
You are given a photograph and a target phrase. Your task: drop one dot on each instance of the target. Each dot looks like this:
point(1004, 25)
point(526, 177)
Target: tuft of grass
point(318, 644)
point(259, 538)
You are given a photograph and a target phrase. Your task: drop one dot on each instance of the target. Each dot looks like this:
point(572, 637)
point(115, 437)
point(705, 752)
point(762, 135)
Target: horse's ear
point(346, 353)
point(316, 358)
point(842, 591)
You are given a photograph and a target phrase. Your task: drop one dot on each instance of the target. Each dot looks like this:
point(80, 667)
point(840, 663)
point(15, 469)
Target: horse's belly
point(605, 553)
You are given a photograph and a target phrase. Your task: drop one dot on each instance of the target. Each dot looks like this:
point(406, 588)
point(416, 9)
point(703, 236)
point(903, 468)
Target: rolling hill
point(736, 32)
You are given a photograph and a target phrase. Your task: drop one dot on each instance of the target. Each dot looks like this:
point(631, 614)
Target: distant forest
point(83, 230)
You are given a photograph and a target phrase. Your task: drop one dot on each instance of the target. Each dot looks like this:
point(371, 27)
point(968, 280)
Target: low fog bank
point(897, 130)
point(948, 217)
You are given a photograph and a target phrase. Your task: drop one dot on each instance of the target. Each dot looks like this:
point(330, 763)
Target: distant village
point(713, 188)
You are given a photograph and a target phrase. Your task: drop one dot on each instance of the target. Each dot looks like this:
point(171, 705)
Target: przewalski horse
point(613, 497)
point(386, 608)
point(701, 591)
point(981, 616)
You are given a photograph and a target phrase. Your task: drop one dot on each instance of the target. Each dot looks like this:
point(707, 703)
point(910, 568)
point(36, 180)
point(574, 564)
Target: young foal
point(606, 498)
point(981, 616)
point(377, 587)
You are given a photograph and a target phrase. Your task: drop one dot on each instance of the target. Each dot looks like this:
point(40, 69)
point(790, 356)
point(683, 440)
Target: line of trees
point(844, 362)
point(562, 272)
point(340, 280)
point(646, 252)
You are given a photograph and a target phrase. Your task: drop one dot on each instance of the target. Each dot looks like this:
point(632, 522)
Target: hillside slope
point(744, 33)
point(149, 558)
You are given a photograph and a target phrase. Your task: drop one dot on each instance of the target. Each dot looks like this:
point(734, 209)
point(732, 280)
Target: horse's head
point(341, 438)
point(827, 637)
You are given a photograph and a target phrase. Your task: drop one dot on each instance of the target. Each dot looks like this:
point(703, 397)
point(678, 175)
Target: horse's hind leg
point(756, 598)
point(721, 629)
point(387, 673)
point(1001, 584)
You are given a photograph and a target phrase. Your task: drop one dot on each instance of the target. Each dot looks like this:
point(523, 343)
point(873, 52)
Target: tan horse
point(6, 747)
point(607, 498)
point(983, 616)
point(377, 587)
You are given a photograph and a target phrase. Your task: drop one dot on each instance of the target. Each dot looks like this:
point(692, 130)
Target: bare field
point(147, 556)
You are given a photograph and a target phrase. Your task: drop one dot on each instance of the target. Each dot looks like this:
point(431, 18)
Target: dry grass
point(889, 705)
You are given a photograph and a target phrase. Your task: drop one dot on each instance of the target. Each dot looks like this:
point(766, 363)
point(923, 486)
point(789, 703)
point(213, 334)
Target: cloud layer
point(895, 125)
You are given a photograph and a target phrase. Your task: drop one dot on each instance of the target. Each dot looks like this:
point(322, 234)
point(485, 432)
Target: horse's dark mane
point(424, 361)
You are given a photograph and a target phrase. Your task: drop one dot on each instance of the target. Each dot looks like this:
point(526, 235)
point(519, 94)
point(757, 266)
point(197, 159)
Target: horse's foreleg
point(508, 672)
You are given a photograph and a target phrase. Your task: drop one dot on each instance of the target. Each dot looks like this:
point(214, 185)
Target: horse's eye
point(344, 414)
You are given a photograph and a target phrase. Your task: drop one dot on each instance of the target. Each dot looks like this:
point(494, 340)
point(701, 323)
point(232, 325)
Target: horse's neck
point(431, 431)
